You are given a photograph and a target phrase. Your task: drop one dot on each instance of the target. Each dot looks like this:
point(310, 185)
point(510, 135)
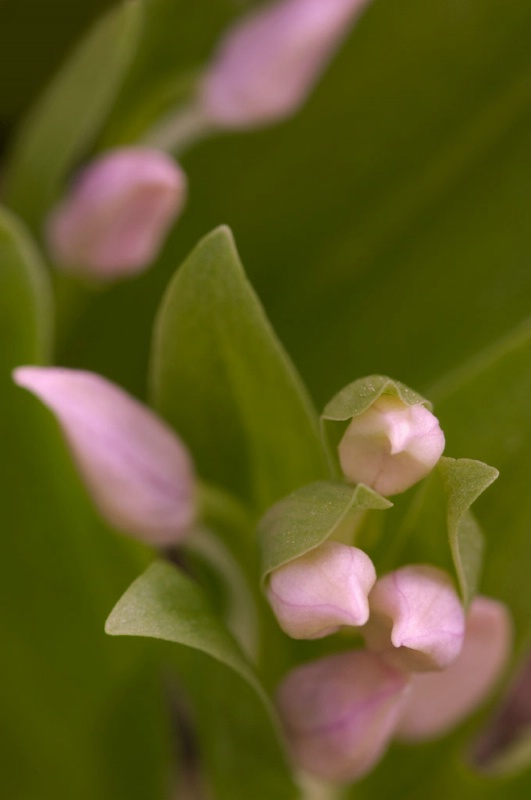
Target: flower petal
point(138, 472)
point(438, 701)
point(316, 594)
point(340, 713)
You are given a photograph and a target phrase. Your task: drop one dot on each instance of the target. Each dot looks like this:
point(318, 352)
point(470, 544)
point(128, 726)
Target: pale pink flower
point(340, 712)
point(391, 446)
point(113, 220)
point(136, 469)
point(438, 701)
point(269, 61)
point(323, 590)
point(417, 620)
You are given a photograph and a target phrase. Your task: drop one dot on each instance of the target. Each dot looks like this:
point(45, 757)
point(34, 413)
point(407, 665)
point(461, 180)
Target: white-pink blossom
point(417, 620)
point(340, 712)
point(391, 446)
point(439, 700)
point(322, 591)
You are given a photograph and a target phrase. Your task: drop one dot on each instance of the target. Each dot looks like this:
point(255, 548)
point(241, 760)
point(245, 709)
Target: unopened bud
point(417, 620)
point(320, 592)
point(391, 446)
point(438, 701)
point(340, 712)
point(268, 62)
point(137, 471)
point(113, 221)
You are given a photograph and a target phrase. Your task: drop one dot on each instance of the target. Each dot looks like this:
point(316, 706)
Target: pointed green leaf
point(438, 526)
point(484, 408)
point(25, 294)
point(464, 480)
point(221, 377)
point(165, 604)
point(63, 124)
point(359, 395)
point(353, 400)
point(308, 517)
point(236, 723)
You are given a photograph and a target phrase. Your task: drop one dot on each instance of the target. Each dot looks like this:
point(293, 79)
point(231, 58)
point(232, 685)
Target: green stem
point(179, 130)
point(314, 789)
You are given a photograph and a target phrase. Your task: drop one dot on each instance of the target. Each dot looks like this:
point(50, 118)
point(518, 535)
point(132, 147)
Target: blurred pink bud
point(417, 620)
point(319, 592)
point(113, 221)
point(438, 701)
point(391, 446)
point(340, 712)
point(138, 472)
point(268, 63)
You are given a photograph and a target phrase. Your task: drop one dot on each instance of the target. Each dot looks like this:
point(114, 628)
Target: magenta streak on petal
point(344, 722)
point(313, 606)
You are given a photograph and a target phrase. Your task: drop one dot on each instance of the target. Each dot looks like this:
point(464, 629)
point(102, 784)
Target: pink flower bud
point(391, 446)
point(321, 591)
point(114, 219)
point(268, 62)
point(438, 701)
point(340, 712)
point(138, 472)
point(417, 620)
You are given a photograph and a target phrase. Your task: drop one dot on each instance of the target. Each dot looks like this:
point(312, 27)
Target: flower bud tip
point(112, 222)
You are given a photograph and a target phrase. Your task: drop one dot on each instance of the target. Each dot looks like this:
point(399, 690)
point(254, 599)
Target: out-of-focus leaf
point(237, 728)
point(221, 377)
point(240, 611)
point(309, 516)
point(59, 573)
point(25, 298)
point(64, 122)
point(23, 21)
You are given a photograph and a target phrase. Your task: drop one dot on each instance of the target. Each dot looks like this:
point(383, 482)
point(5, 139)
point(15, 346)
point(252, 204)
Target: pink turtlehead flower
point(340, 712)
point(112, 222)
point(268, 62)
point(391, 446)
point(440, 700)
point(417, 620)
point(320, 592)
point(137, 471)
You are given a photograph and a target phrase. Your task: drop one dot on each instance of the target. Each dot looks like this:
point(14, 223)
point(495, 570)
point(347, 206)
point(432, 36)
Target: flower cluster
point(426, 662)
point(112, 221)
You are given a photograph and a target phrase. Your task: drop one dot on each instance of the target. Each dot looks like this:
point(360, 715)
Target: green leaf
point(359, 395)
point(438, 526)
point(65, 121)
point(25, 295)
point(221, 377)
point(310, 516)
point(353, 400)
point(464, 480)
point(236, 723)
